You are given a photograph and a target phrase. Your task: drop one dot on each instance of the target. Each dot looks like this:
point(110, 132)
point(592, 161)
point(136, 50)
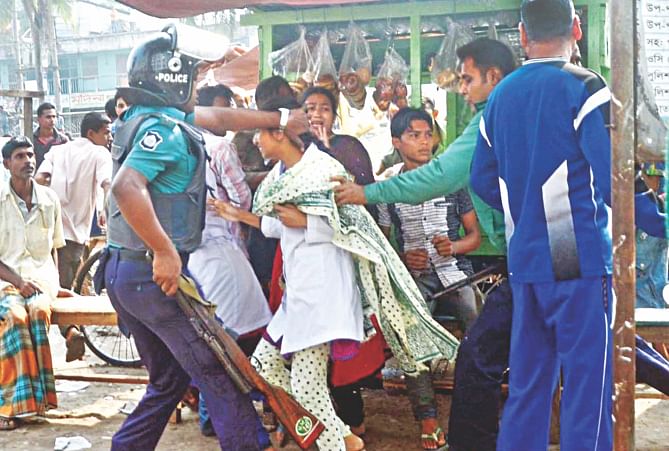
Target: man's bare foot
point(432, 435)
point(75, 343)
point(279, 436)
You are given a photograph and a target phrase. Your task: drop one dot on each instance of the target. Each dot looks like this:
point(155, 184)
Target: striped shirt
point(225, 181)
point(416, 226)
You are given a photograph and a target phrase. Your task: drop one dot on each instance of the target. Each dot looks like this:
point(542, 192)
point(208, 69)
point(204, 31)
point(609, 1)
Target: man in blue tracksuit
point(483, 356)
point(155, 219)
point(544, 158)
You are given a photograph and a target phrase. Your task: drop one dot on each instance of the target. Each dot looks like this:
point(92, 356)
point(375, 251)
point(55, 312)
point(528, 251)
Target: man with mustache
point(30, 233)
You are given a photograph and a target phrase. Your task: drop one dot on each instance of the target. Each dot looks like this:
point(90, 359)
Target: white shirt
point(227, 279)
point(78, 168)
point(369, 124)
point(26, 244)
point(321, 301)
point(220, 264)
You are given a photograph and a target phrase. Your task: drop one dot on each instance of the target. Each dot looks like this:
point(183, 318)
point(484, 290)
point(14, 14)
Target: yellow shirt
point(26, 244)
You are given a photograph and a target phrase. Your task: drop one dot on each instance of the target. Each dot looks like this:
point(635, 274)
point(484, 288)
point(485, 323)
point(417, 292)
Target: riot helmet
point(162, 69)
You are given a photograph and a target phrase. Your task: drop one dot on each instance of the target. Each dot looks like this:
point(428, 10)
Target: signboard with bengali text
point(655, 22)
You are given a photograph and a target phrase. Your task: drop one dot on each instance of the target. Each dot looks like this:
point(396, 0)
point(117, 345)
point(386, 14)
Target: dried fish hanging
point(391, 81)
point(293, 62)
point(324, 69)
point(355, 69)
point(444, 67)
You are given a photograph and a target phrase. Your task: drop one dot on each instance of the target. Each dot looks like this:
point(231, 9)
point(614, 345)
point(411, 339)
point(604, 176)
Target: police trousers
point(173, 354)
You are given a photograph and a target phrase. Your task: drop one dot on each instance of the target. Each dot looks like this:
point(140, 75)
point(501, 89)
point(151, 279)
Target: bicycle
point(106, 342)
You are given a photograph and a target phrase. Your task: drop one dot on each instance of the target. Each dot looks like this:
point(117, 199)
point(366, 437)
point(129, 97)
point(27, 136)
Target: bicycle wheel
point(106, 342)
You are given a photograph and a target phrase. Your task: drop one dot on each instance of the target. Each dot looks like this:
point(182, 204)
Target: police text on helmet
point(172, 78)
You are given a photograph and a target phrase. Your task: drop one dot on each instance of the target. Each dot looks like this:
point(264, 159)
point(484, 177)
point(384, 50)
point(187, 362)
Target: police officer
point(155, 219)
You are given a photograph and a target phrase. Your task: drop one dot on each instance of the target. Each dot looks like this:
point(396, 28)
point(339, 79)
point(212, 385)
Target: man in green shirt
point(483, 354)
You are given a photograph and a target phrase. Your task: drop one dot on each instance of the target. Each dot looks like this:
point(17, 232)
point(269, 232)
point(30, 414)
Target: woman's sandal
point(354, 443)
point(436, 436)
point(8, 424)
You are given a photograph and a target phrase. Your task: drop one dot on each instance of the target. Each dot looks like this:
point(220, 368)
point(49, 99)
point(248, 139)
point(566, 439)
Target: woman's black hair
point(320, 90)
point(274, 103)
point(307, 138)
point(271, 87)
point(110, 109)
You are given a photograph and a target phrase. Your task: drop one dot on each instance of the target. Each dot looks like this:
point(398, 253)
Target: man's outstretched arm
point(442, 176)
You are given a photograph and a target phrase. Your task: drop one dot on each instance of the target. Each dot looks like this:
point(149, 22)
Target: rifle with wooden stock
point(299, 422)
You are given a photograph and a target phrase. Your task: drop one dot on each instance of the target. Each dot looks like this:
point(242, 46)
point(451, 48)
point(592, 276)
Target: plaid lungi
point(26, 374)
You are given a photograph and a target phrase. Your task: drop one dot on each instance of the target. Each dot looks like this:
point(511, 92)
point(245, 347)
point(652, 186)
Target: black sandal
point(8, 424)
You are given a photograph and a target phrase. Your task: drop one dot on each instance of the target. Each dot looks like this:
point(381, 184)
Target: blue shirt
point(543, 156)
point(160, 149)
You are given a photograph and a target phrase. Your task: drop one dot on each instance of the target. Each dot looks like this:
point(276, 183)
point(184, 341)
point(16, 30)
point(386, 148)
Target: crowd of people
point(286, 231)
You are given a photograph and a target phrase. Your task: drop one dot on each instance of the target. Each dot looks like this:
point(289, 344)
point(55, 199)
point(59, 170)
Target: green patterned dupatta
point(387, 289)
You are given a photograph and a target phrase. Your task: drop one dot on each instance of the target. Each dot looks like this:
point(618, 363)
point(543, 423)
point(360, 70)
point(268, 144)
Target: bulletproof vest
point(181, 215)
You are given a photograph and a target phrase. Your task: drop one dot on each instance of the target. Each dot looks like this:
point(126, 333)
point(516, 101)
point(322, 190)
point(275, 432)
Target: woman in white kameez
point(321, 313)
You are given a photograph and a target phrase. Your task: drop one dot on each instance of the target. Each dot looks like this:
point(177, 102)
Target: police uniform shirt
point(160, 149)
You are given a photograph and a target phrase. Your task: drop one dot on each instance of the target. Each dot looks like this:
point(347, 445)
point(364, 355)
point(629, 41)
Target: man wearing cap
point(651, 251)
point(155, 220)
point(30, 233)
point(543, 157)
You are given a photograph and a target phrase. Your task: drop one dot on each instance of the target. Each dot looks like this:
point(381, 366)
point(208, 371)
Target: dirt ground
point(93, 413)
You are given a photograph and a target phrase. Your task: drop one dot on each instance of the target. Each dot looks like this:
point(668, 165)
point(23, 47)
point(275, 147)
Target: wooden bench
point(83, 311)
point(94, 311)
point(89, 311)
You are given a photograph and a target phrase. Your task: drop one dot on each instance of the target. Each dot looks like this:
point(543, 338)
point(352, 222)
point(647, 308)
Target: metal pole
point(28, 117)
point(416, 63)
point(16, 29)
point(622, 46)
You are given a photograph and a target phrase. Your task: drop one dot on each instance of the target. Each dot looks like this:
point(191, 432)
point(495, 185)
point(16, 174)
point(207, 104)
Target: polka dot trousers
point(307, 382)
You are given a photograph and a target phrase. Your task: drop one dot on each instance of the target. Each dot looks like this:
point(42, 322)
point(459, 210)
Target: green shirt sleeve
point(442, 176)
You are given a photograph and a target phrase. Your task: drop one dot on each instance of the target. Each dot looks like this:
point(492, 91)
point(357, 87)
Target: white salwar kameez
point(321, 301)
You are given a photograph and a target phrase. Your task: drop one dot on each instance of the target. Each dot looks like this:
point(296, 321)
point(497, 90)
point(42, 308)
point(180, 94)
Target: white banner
point(655, 23)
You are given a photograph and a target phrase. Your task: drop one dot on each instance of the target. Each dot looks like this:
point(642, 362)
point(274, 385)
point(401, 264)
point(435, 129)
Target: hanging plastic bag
point(445, 64)
point(391, 81)
point(324, 69)
point(355, 70)
point(293, 62)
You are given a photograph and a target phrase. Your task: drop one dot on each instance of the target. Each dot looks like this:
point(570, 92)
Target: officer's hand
point(416, 259)
point(166, 270)
point(348, 192)
point(443, 245)
point(28, 288)
point(297, 124)
point(290, 216)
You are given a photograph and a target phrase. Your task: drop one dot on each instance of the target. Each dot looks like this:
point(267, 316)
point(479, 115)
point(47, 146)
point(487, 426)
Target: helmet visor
point(199, 44)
